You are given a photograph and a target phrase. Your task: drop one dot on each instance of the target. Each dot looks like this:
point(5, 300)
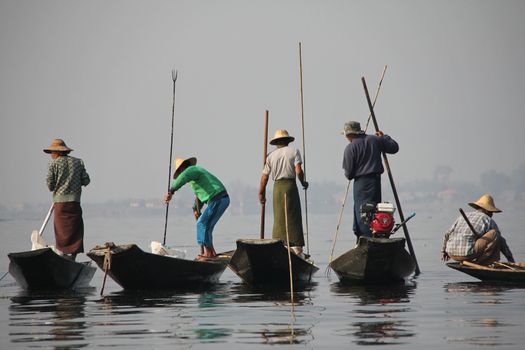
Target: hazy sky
point(98, 75)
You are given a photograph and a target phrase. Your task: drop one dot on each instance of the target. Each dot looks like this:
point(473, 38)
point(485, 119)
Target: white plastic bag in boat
point(160, 249)
point(37, 242)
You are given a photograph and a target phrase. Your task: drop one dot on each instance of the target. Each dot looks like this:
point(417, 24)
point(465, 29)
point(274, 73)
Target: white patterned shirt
point(459, 240)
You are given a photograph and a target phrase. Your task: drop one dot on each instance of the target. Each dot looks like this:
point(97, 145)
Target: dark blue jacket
point(363, 155)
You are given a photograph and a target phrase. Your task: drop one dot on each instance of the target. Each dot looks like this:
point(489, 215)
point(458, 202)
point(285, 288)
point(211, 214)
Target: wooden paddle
point(390, 176)
point(483, 267)
point(474, 265)
point(513, 266)
point(505, 266)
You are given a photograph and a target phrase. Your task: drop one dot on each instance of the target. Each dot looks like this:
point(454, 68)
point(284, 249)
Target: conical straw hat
point(281, 134)
point(180, 161)
point(485, 202)
point(57, 145)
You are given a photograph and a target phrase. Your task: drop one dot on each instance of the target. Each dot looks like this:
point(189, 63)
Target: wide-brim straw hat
point(485, 202)
point(281, 135)
point(180, 161)
point(58, 145)
point(352, 128)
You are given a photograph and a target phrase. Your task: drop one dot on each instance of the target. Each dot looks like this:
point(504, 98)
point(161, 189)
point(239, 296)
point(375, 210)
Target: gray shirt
point(281, 163)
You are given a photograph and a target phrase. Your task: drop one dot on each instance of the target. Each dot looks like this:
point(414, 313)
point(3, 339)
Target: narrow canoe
point(44, 269)
point(133, 268)
point(260, 262)
point(500, 272)
point(374, 260)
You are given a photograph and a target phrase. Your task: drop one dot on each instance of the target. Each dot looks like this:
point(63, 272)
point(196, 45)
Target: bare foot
point(209, 252)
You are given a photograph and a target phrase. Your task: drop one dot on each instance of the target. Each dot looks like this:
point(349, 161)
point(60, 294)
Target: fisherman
point(284, 163)
point(208, 190)
point(482, 247)
point(65, 177)
point(362, 163)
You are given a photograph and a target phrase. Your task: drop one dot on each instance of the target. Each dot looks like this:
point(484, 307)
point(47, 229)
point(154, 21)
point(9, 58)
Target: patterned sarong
point(295, 221)
point(69, 227)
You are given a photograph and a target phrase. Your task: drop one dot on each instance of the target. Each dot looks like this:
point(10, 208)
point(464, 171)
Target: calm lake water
point(441, 308)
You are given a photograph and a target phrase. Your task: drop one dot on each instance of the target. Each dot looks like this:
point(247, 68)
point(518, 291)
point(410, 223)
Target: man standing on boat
point(284, 163)
point(362, 163)
point(208, 190)
point(482, 246)
point(65, 177)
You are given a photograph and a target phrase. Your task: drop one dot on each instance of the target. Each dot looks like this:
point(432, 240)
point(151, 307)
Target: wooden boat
point(499, 271)
point(374, 260)
point(260, 262)
point(133, 268)
point(45, 269)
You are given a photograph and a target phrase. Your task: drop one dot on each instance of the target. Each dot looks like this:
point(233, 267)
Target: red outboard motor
point(379, 217)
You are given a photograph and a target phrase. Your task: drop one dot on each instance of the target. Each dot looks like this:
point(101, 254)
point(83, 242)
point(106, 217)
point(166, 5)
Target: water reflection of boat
point(44, 269)
point(487, 288)
point(286, 335)
point(56, 318)
point(285, 324)
point(186, 303)
point(159, 298)
point(380, 312)
point(133, 268)
point(243, 293)
point(497, 272)
point(374, 260)
point(376, 294)
point(261, 262)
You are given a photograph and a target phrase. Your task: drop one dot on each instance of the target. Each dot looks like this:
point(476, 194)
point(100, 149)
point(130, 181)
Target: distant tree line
point(323, 197)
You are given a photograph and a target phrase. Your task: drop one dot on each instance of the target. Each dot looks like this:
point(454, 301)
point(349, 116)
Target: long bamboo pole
point(265, 154)
point(304, 150)
point(330, 259)
point(174, 75)
point(392, 183)
point(377, 94)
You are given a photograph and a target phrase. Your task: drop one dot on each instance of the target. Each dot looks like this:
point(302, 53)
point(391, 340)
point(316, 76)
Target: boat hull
point(492, 274)
point(133, 268)
point(260, 262)
point(44, 269)
point(374, 260)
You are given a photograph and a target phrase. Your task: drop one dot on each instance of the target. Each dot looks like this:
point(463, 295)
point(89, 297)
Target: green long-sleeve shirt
point(65, 177)
point(204, 184)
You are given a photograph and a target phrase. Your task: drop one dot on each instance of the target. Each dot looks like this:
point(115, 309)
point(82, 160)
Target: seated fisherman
point(482, 247)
